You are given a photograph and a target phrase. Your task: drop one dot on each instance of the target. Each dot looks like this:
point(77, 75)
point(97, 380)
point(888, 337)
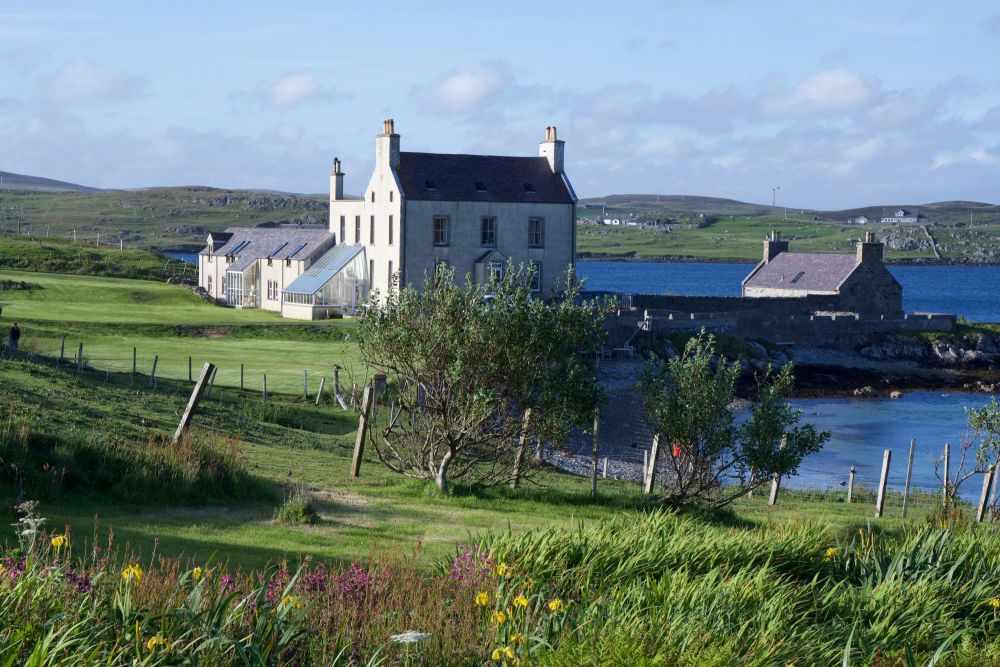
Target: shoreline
point(692, 259)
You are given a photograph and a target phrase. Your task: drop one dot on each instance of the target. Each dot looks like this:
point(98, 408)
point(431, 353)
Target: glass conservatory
point(336, 284)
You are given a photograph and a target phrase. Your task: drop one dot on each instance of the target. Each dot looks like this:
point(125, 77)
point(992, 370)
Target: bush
point(298, 509)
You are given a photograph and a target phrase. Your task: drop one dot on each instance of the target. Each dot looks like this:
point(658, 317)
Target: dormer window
point(899, 213)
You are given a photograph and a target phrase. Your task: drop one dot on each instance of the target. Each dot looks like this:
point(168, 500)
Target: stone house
point(858, 283)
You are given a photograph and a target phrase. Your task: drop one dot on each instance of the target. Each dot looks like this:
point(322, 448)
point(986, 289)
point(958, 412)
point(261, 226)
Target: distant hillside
point(942, 213)
point(11, 181)
point(154, 218)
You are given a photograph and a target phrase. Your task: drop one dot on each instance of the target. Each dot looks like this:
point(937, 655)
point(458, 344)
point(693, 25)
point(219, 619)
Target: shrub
point(299, 508)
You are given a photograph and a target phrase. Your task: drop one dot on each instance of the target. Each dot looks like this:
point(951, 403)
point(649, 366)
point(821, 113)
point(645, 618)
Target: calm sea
point(970, 291)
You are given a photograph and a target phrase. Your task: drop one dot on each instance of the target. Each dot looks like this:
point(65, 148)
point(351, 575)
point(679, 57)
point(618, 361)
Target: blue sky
point(841, 104)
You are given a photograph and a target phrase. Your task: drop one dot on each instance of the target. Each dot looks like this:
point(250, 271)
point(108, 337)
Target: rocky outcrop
point(966, 350)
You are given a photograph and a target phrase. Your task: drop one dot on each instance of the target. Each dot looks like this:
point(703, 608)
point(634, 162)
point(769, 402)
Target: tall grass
point(41, 462)
point(675, 590)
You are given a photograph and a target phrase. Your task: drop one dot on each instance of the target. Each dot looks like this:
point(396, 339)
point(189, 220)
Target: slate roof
point(457, 177)
point(803, 271)
point(274, 242)
point(324, 269)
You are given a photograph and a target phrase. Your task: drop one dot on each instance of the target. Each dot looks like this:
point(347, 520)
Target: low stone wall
point(812, 329)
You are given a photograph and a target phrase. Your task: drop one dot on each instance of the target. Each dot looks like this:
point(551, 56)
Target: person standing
point(15, 337)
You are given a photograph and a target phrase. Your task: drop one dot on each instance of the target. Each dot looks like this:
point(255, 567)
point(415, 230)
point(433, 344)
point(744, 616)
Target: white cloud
point(81, 81)
point(464, 88)
point(829, 91)
point(977, 155)
point(291, 90)
point(865, 150)
point(660, 146)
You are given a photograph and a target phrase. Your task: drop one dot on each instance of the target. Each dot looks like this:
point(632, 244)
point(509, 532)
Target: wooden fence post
point(595, 448)
point(880, 499)
point(241, 382)
point(79, 360)
point(305, 385)
point(776, 481)
point(211, 382)
point(645, 465)
point(947, 464)
point(62, 350)
point(359, 442)
point(654, 454)
point(190, 379)
point(850, 485)
point(987, 483)
point(522, 448)
point(319, 394)
point(265, 386)
point(336, 380)
point(909, 474)
point(604, 472)
point(152, 373)
point(134, 368)
point(206, 371)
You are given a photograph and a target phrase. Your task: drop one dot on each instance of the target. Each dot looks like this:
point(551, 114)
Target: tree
point(713, 459)
point(473, 370)
point(977, 451)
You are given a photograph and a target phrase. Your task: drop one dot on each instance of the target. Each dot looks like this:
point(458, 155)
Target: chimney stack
point(336, 181)
point(552, 149)
point(774, 246)
point(387, 145)
point(870, 250)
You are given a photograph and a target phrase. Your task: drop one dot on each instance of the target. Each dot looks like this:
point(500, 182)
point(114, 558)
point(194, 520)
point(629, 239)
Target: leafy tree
point(474, 370)
point(712, 459)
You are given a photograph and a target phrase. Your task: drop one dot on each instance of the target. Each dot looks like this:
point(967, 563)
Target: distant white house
point(859, 220)
point(911, 215)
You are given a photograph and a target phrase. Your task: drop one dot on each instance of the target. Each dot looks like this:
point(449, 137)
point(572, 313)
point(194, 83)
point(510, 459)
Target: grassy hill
point(154, 218)
point(11, 181)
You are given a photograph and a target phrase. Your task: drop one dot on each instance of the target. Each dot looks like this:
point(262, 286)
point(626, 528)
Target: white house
point(472, 212)
point(418, 211)
point(902, 215)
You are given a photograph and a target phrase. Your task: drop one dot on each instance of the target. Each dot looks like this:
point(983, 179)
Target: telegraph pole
point(774, 197)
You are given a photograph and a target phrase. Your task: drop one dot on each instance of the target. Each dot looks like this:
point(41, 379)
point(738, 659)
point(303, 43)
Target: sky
point(837, 104)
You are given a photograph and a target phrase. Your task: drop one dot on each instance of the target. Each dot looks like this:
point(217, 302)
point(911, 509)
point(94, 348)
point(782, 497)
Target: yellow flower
point(498, 617)
point(520, 601)
point(556, 605)
point(994, 602)
point(516, 638)
point(155, 642)
point(529, 583)
point(502, 570)
point(1, 568)
point(58, 541)
point(504, 653)
point(482, 598)
point(291, 601)
point(132, 573)
point(830, 554)
point(196, 573)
